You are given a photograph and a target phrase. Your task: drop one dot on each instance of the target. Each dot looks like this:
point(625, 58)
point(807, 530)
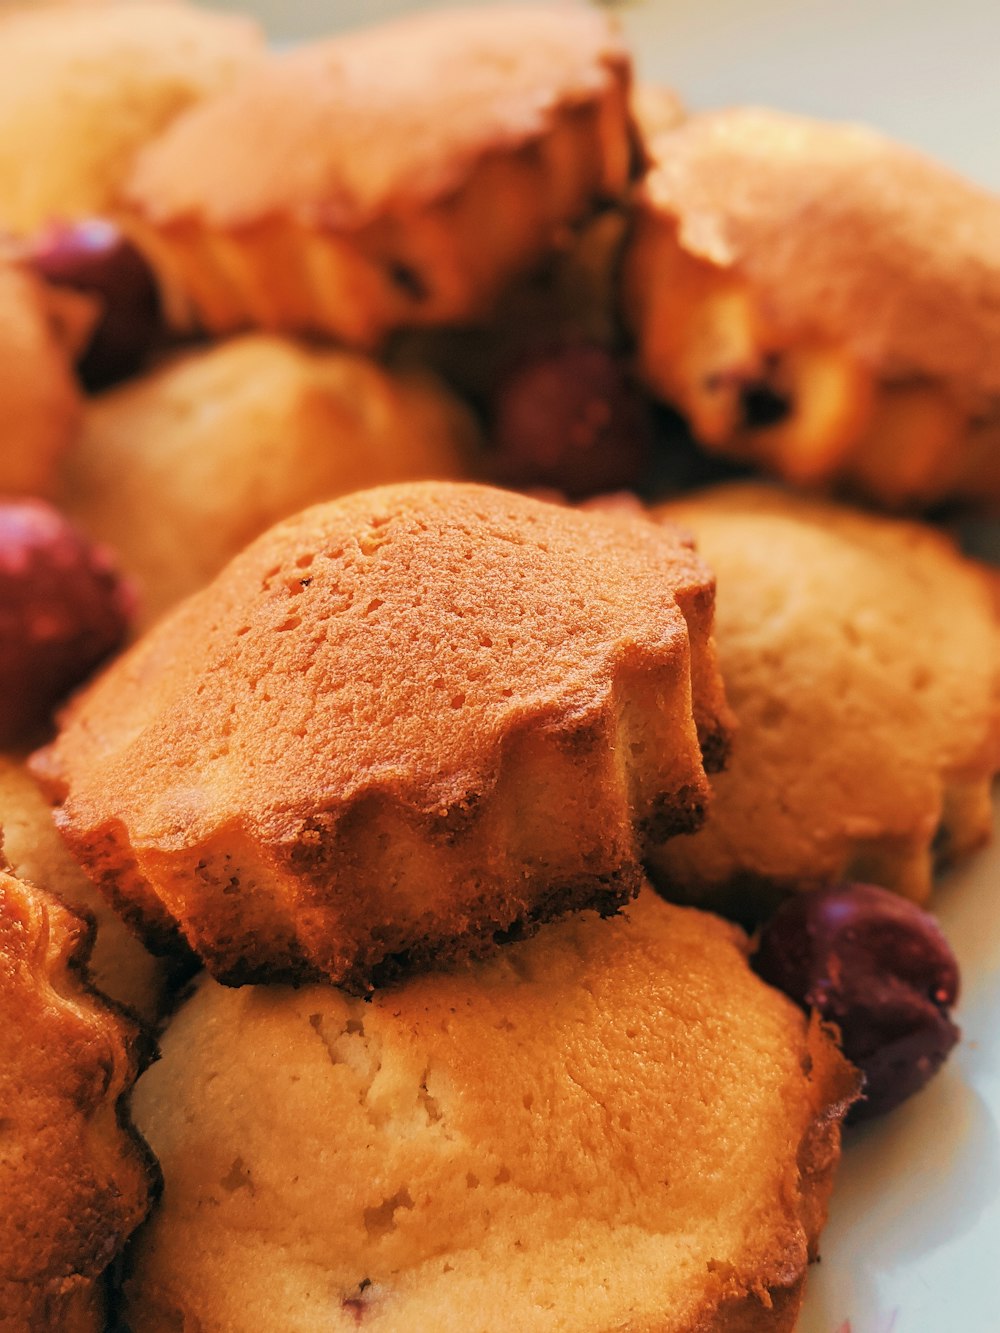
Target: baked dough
point(822, 302)
point(614, 1125)
point(397, 727)
point(861, 655)
point(394, 177)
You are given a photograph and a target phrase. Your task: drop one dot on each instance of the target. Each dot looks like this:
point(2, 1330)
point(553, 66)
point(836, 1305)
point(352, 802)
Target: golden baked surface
point(861, 656)
point(39, 396)
point(74, 1183)
point(851, 276)
point(612, 1125)
point(411, 717)
point(83, 88)
point(234, 437)
point(391, 177)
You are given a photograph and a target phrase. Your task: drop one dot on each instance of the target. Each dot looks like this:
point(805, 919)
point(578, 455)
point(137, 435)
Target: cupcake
point(83, 88)
point(612, 1125)
point(824, 303)
point(391, 178)
point(399, 727)
point(74, 1181)
point(861, 656)
point(178, 470)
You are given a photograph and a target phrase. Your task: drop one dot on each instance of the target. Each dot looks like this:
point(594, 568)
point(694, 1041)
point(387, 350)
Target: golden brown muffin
point(397, 727)
point(824, 302)
point(38, 393)
point(861, 656)
point(390, 178)
point(179, 470)
point(118, 964)
point(74, 1182)
point(614, 1125)
point(83, 88)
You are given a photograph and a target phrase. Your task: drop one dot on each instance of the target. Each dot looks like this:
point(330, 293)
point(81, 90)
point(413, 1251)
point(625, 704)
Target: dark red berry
point(881, 969)
point(63, 609)
point(94, 257)
point(571, 419)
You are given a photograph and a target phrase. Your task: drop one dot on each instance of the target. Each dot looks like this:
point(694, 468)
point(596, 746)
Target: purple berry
point(571, 419)
point(881, 969)
point(63, 610)
point(94, 257)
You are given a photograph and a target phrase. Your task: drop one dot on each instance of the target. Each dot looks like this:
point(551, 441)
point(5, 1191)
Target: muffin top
point(343, 130)
point(614, 1124)
point(394, 639)
point(861, 655)
point(842, 232)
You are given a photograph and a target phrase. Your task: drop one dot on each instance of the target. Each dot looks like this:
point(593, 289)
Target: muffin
point(394, 177)
point(118, 964)
point(824, 303)
point(612, 1125)
point(179, 470)
point(74, 1182)
point(83, 88)
point(396, 728)
point(861, 655)
point(40, 398)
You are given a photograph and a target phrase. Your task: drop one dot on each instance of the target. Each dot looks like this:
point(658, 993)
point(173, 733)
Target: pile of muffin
point(354, 399)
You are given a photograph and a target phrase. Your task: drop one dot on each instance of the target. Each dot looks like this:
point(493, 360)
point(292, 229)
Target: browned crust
point(367, 203)
point(387, 820)
point(822, 302)
point(342, 140)
point(827, 616)
point(81, 1179)
point(754, 1267)
point(773, 1300)
point(840, 231)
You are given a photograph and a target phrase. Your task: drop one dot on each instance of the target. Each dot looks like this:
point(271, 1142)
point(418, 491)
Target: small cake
point(74, 1181)
point(612, 1125)
point(118, 964)
point(823, 302)
point(179, 470)
point(390, 178)
point(39, 396)
point(861, 656)
point(398, 727)
point(82, 88)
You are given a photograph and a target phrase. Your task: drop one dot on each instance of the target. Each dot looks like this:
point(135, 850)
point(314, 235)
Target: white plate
point(913, 1242)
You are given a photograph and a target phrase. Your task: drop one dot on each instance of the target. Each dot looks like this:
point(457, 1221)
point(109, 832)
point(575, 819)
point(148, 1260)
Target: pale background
point(925, 70)
point(913, 1244)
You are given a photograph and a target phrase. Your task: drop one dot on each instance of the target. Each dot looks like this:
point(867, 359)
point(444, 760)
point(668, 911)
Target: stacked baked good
point(415, 748)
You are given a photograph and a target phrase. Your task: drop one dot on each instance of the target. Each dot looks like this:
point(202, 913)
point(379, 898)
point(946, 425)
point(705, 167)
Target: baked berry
point(93, 256)
point(879, 968)
point(63, 610)
point(571, 419)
